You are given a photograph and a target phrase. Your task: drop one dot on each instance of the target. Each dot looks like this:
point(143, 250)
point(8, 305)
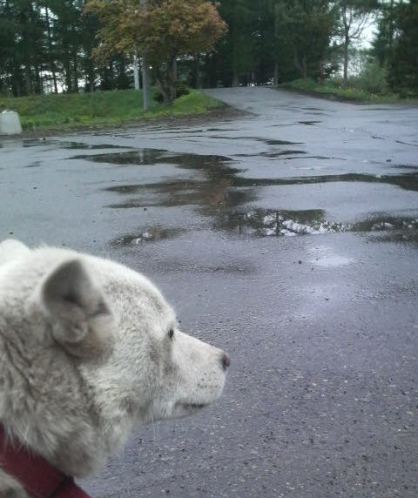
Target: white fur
point(85, 354)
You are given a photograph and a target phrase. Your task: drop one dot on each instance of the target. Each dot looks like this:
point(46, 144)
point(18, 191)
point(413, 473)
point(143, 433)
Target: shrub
point(373, 79)
point(181, 89)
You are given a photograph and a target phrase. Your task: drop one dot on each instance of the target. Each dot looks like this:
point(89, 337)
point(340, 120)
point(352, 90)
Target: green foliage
point(305, 29)
point(336, 90)
point(99, 108)
point(163, 29)
point(47, 45)
point(403, 60)
point(373, 79)
point(181, 89)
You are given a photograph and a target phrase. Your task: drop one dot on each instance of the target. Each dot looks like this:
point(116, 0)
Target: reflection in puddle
point(216, 168)
point(407, 181)
point(390, 228)
point(267, 141)
point(268, 223)
point(69, 144)
point(153, 234)
point(273, 223)
point(274, 154)
point(217, 193)
point(81, 146)
point(34, 164)
point(150, 157)
point(222, 194)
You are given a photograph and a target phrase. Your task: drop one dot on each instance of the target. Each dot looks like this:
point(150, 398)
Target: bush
point(373, 79)
point(181, 89)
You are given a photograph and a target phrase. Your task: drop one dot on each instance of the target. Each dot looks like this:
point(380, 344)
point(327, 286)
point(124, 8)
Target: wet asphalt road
point(288, 236)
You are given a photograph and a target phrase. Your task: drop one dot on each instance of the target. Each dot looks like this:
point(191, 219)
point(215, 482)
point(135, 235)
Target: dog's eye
point(171, 333)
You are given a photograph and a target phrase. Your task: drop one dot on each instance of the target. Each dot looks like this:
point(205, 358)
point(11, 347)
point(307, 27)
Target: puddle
point(81, 146)
point(390, 229)
point(150, 157)
point(223, 195)
point(377, 109)
point(69, 145)
point(309, 123)
point(284, 153)
point(267, 141)
point(279, 142)
point(406, 143)
point(35, 164)
point(153, 234)
point(279, 223)
point(288, 153)
point(384, 223)
point(406, 166)
point(183, 131)
point(211, 130)
point(209, 196)
point(272, 223)
point(407, 181)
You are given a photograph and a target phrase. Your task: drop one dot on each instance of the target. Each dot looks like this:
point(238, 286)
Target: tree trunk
point(346, 57)
point(276, 74)
point(198, 76)
point(299, 64)
point(305, 68)
point(167, 79)
point(51, 57)
point(66, 60)
point(235, 78)
point(347, 26)
point(75, 71)
point(38, 81)
point(28, 80)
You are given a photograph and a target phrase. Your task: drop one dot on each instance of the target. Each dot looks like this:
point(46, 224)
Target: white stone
point(10, 123)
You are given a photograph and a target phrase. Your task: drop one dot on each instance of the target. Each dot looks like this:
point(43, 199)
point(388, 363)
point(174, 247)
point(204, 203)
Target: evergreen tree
point(403, 61)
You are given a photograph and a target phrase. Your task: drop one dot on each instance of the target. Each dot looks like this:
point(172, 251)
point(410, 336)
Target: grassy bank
point(112, 108)
point(333, 90)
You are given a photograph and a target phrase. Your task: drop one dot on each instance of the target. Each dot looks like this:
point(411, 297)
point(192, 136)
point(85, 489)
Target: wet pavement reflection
point(227, 197)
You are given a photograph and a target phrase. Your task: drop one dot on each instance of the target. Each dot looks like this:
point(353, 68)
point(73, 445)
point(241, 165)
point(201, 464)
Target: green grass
point(333, 90)
point(111, 108)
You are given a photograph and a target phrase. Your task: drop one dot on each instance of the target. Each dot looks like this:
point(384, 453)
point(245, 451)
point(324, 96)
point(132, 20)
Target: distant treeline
point(46, 45)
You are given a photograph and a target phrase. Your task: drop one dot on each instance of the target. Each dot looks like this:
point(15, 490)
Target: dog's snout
point(226, 361)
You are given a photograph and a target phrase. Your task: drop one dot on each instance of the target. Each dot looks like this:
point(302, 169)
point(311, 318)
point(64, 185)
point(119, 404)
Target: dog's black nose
point(226, 361)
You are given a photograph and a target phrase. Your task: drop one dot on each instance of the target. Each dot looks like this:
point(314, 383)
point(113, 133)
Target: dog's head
point(89, 348)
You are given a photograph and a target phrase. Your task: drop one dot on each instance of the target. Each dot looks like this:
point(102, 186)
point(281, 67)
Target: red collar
point(34, 473)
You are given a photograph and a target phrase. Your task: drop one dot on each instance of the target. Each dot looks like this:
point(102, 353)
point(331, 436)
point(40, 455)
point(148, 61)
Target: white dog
point(88, 349)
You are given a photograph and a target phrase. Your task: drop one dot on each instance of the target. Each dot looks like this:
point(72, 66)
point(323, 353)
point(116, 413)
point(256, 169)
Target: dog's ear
point(81, 320)
point(12, 249)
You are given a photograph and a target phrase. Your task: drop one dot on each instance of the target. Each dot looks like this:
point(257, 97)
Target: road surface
point(287, 235)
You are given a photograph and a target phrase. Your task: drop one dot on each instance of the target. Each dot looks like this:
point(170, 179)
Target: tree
point(165, 29)
point(384, 41)
point(303, 30)
point(403, 62)
point(354, 17)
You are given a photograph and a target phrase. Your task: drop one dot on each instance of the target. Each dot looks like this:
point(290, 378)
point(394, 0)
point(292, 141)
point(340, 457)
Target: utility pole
point(136, 72)
point(145, 71)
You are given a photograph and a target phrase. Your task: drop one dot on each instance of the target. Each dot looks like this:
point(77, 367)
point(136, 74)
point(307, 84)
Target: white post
point(145, 72)
point(136, 72)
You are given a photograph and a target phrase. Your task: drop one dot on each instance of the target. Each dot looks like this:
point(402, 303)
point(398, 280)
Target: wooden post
point(145, 72)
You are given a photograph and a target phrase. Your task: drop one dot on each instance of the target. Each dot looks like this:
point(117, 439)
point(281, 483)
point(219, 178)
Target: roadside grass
point(333, 89)
point(109, 108)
